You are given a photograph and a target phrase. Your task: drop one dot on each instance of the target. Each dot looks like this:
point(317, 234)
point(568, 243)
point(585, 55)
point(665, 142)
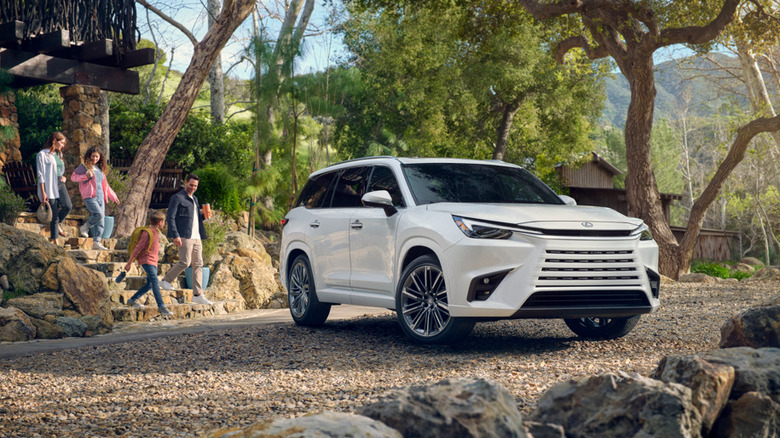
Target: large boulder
point(450, 408)
point(769, 273)
point(39, 305)
point(620, 405)
point(25, 257)
point(15, 325)
point(235, 240)
point(697, 277)
point(755, 327)
point(752, 415)
point(710, 383)
point(85, 288)
point(47, 330)
point(324, 425)
point(247, 273)
point(755, 369)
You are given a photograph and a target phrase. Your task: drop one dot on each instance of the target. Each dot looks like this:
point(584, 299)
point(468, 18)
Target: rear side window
point(350, 187)
point(314, 191)
point(382, 178)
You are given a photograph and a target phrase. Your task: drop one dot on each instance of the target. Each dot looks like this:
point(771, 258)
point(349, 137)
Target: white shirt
point(195, 227)
point(46, 173)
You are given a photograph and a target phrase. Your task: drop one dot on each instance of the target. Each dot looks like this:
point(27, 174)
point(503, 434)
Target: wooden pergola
point(85, 42)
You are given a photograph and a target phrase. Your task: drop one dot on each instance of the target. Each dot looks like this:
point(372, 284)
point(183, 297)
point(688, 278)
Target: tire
point(305, 308)
point(422, 305)
point(602, 328)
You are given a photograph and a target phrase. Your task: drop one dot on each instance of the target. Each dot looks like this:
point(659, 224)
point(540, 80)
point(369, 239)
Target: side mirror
point(381, 199)
point(568, 200)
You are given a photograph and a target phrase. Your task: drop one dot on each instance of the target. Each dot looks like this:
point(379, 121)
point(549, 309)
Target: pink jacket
point(88, 187)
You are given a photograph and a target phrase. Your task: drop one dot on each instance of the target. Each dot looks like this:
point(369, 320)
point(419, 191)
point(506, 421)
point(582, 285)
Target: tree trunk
point(155, 146)
point(216, 78)
point(644, 199)
point(508, 117)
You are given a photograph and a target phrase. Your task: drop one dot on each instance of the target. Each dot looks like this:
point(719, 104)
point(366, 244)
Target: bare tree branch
point(170, 20)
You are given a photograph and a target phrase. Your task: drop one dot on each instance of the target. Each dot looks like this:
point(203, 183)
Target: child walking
point(147, 258)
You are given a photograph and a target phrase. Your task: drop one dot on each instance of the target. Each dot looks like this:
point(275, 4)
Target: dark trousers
point(59, 209)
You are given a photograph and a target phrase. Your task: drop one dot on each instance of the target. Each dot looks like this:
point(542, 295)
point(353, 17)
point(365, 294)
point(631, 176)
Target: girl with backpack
point(147, 247)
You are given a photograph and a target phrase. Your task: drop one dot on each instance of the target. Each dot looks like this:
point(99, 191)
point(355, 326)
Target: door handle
point(315, 224)
point(356, 225)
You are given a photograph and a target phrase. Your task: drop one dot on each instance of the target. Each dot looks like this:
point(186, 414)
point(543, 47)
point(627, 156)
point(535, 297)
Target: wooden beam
point(91, 51)
point(32, 66)
point(95, 50)
point(48, 42)
point(11, 33)
point(137, 58)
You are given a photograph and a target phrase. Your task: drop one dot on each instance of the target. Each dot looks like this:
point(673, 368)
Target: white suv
point(449, 242)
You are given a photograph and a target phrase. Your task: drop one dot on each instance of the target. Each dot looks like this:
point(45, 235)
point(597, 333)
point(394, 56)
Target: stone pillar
point(9, 147)
point(81, 125)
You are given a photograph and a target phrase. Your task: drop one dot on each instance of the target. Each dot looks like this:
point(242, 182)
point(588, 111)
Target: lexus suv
point(447, 243)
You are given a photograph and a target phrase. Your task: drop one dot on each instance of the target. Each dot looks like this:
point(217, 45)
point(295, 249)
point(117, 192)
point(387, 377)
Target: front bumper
point(552, 277)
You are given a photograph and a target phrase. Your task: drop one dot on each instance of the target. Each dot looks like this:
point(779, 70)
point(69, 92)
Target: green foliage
point(220, 187)
point(9, 294)
point(438, 80)
point(120, 183)
point(717, 270)
point(11, 204)
point(40, 114)
point(217, 226)
point(199, 143)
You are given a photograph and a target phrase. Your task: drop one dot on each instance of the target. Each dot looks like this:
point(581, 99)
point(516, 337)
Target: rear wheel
point(305, 308)
point(602, 328)
point(422, 306)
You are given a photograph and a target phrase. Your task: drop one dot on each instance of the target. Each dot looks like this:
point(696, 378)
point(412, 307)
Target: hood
point(542, 216)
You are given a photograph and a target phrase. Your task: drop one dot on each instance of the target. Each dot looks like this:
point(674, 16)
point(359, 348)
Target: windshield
point(482, 183)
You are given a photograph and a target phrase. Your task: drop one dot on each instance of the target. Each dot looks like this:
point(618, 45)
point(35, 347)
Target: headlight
point(481, 230)
point(643, 232)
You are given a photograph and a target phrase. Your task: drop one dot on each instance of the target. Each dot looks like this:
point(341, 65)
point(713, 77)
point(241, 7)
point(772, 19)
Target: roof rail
point(362, 159)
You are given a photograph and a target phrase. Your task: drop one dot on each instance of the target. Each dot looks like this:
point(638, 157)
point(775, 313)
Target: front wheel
point(422, 306)
point(305, 308)
point(602, 328)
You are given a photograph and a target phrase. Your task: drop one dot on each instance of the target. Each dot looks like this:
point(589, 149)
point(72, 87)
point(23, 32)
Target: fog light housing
point(655, 283)
point(482, 287)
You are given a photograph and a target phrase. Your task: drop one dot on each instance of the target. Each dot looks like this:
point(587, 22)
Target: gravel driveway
point(187, 384)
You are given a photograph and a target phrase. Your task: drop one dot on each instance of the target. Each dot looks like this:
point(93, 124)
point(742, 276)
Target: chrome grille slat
point(597, 270)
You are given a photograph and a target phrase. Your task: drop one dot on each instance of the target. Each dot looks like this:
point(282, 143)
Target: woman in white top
point(50, 169)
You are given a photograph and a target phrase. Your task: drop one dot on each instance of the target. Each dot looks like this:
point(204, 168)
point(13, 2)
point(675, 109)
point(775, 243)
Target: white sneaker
point(84, 230)
point(97, 245)
point(165, 285)
point(200, 299)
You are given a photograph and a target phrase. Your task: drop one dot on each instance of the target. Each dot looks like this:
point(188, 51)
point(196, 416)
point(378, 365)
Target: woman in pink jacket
point(95, 190)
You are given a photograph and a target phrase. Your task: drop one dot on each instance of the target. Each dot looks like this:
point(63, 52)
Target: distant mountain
point(672, 79)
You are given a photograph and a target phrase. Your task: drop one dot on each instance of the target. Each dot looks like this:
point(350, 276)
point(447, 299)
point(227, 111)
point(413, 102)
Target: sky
point(321, 47)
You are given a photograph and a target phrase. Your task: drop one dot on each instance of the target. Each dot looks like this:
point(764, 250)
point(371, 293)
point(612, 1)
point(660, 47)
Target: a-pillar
point(9, 137)
point(81, 125)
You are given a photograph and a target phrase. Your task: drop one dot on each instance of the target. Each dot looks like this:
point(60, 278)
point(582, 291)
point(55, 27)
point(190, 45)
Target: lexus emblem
point(587, 224)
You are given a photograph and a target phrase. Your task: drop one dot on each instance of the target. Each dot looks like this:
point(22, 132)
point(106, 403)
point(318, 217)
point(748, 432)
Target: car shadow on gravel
point(500, 337)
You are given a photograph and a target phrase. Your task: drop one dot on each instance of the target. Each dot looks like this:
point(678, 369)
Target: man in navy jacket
point(185, 227)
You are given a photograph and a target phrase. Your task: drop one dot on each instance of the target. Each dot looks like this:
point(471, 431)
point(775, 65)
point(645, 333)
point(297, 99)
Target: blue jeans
point(59, 209)
point(96, 221)
point(151, 283)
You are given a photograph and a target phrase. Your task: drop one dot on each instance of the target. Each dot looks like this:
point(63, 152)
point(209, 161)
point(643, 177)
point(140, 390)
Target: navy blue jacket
point(180, 211)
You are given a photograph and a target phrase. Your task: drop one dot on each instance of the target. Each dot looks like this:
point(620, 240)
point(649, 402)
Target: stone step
point(137, 282)
point(180, 311)
point(177, 296)
point(85, 256)
point(112, 269)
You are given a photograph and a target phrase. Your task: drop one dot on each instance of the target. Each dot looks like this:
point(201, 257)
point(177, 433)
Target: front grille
point(600, 299)
point(588, 268)
point(580, 233)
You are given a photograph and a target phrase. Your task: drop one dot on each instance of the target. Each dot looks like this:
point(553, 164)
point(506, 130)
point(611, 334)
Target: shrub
point(216, 227)
point(11, 204)
point(120, 183)
point(219, 187)
point(717, 270)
